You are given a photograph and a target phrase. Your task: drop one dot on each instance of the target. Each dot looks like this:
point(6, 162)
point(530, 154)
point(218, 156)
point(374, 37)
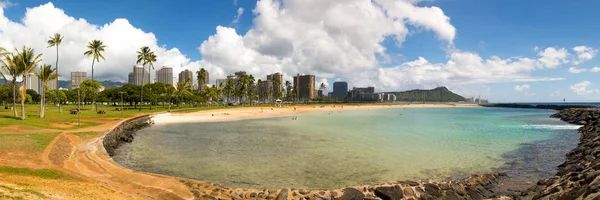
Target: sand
point(264, 112)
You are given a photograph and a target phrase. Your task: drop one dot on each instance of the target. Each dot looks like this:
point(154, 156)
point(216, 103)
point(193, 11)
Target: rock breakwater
point(578, 177)
point(124, 132)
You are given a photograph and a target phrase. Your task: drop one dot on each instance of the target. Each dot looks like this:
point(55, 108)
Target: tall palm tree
point(45, 74)
point(26, 62)
point(184, 89)
point(322, 88)
point(201, 75)
point(144, 56)
point(288, 88)
point(11, 69)
point(56, 41)
point(95, 49)
point(229, 89)
point(260, 85)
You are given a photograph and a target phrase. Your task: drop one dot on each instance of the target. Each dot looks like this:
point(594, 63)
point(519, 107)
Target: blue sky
point(506, 29)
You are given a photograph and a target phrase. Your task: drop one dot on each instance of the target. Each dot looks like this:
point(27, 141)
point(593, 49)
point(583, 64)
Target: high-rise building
point(264, 89)
point(277, 79)
point(305, 86)
point(186, 74)
point(33, 83)
point(363, 94)
point(77, 78)
point(131, 78)
point(165, 75)
point(340, 89)
point(206, 80)
point(140, 74)
point(52, 85)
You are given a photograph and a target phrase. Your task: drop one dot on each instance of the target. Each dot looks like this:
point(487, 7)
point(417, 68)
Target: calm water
point(341, 148)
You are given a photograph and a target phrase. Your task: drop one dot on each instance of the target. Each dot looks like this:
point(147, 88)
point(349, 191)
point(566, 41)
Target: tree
point(11, 69)
point(26, 62)
point(288, 88)
point(45, 74)
point(278, 93)
point(229, 89)
point(35, 97)
point(322, 88)
point(95, 49)
point(201, 75)
point(145, 56)
point(184, 89)
point(88, 89)
point(55, 41)
point(260, 85)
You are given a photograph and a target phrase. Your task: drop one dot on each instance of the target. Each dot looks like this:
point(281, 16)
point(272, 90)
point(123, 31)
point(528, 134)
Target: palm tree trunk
point(23, 97)
point(14, 106)
point(93, 87)
point(42, 103)
point(142, 90)
point(57, 75)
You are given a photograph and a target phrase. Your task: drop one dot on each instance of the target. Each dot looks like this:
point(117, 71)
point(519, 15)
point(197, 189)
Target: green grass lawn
point(41, 173)
point(53, 119)
point(34, 143)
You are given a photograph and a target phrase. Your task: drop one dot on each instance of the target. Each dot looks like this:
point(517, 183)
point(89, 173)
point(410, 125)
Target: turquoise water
point(333, 149)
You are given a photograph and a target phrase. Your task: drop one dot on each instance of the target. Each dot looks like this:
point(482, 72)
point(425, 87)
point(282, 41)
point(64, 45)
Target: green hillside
point(440, 94)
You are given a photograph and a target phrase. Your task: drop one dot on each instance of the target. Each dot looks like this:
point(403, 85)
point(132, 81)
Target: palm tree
point(184, 89)
point(260, 85)
point(26, 62)
point(288, 88)
point(11, 69)
point(56, 41)
point(322, 88)
point(229, 89)
point(201, 75)
point(95, 49)
point(45, 74)
point(145, 55)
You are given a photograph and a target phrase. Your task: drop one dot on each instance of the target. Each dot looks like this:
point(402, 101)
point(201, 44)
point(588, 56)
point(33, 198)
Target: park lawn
point(33, 144)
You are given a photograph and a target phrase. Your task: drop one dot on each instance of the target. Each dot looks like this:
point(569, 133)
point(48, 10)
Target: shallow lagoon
point(333, 149)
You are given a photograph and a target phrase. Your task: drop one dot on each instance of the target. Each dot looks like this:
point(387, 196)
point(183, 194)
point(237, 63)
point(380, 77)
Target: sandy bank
point(231, 114)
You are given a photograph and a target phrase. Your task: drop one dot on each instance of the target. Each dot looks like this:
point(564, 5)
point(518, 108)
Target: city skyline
point(541, 62)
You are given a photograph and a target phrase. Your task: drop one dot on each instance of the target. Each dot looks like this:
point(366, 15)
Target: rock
point(352, 194)
point(303, 192)
point(408, 183)
point(449, 195)
point(432, 190)
point(409, 192)
point(389, 193)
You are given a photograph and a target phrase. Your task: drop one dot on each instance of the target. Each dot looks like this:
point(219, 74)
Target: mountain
point(440, 94)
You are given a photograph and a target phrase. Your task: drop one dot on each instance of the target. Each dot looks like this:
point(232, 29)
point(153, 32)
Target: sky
point(504, 51)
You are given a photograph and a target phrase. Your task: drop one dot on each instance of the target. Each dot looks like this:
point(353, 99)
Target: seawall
point(578, 177)
point(124, 132)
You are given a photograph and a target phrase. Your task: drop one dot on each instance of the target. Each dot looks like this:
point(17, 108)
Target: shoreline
point(107, 171)
point(243, 113)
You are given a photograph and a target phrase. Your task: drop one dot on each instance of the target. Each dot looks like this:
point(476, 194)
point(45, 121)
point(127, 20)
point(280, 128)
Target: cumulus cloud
point(582, 88)
point(584, 54)
point(521, 88)
point(122, 40)
point(334, 40)
point(552, 57)
point(595, 69)
point(575, 70)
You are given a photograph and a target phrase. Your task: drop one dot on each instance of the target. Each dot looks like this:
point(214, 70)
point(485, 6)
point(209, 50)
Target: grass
point(66, 121)
point(41, 173)
point(29, 143)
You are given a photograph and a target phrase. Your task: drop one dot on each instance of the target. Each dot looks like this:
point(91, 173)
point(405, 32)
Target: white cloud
point(582, 88)
point(536, 48)
point(552, 57)
point(335, 40)
point(574, 70)
point(584, 54)
point(595, 69)
point(121, 38)
point(236, 19)
point(521, 88)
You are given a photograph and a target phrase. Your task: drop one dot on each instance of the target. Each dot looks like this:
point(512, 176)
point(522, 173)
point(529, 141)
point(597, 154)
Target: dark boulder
point(389, 193)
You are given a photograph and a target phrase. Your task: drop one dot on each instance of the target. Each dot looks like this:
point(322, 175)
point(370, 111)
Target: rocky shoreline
point(576, 178)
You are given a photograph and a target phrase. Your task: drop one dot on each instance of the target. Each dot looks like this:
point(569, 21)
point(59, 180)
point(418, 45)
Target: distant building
point(165, 75)
point(33, 83)
point(320, 94)
point(277, 79)
point(186, 74)
point(264, 89)
point(386, 97)
point(77, 78)
point(130, 78)
point(220, 83)
point(305, 86)
point(52, 85)
point(140, 74)
point(340, 89)
point(363, 94)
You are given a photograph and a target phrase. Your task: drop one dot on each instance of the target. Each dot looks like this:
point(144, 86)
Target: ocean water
point(334, 149)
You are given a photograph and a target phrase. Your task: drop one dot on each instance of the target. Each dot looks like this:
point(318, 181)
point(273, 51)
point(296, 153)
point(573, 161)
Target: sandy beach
point(231, 114)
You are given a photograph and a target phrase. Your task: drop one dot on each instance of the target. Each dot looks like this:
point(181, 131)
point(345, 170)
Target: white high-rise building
point(139, 72)
point(33, 83)
point(165, 75)
point(77, 78)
